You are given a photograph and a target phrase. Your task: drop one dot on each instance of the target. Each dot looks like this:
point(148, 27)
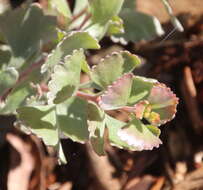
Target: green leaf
point(141, 88)
point(75, 40)
point(62, 7)
point(115, 26)
point(103, 10)
point(120, 63)
point(114, 126)
point(97, 30)
point(42, 122)
point(72, 119)
point(66, 77)
point(23, 38)
point(163, 102)
point(8, 78)
point(96, 125)
point(21, 91)
point(131, 4)
point(139, 137)
point(117, 94)
point(139, 26)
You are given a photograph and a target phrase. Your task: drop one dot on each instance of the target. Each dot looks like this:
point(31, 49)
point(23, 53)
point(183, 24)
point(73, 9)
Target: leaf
point(5, 55)
point(8, 78)
point(96, 125)
point(66, 77)
point(139, 26)
point(72, 119)
point(115, 26)
point(120, 63)
point(48, 121)
point(174, 20)
point(131, 4)
point(163, 102)
point(62, 7)
point(117, 94)
point(103, 10)
point(97, 30)
point(42, 122)
point(114, 126)
point(139, 137)
point(21, 91)
point(23, 38)
point(74, 40)
point(132, 136)
point(141, 88)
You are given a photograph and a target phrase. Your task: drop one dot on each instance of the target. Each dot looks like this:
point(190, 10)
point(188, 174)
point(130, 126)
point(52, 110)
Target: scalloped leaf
point(141, 88)
point(117, 94)
point(103, 10)
point(74, 40)
point(42, 122)
point(66, 77)
point(24, 29)
point(72, 119)
point(115, 26)
point(163, 102)
point(139, 136)
point(118, 62)
point(96, 126)
point(132, 136)
point(113, 126)
point(139, 26)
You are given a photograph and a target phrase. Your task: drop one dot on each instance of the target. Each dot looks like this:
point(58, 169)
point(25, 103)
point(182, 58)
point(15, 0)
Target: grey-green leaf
point(139, 26)
point(139, 137)
point(103, 10)
point(66, 77)
point(96, 126)
point(24, 29)
point(42, 122)
point(75, 40)
point(112, 67)
point(72, 119)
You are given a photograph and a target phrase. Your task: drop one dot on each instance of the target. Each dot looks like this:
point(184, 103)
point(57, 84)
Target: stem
point(78, 15)
point(87, 96)
point(87, 17)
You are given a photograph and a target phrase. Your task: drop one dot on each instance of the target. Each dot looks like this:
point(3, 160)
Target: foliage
point(41, 64)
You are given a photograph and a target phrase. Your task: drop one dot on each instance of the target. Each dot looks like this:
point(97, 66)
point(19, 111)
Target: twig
point(189, 93)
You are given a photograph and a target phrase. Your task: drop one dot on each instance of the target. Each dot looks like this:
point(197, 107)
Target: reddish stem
point(87, 96)
point(75, 17)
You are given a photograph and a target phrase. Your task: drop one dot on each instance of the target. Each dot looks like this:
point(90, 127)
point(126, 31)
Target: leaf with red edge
point(139, 136)
point(163, 104)
point(117, 94)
